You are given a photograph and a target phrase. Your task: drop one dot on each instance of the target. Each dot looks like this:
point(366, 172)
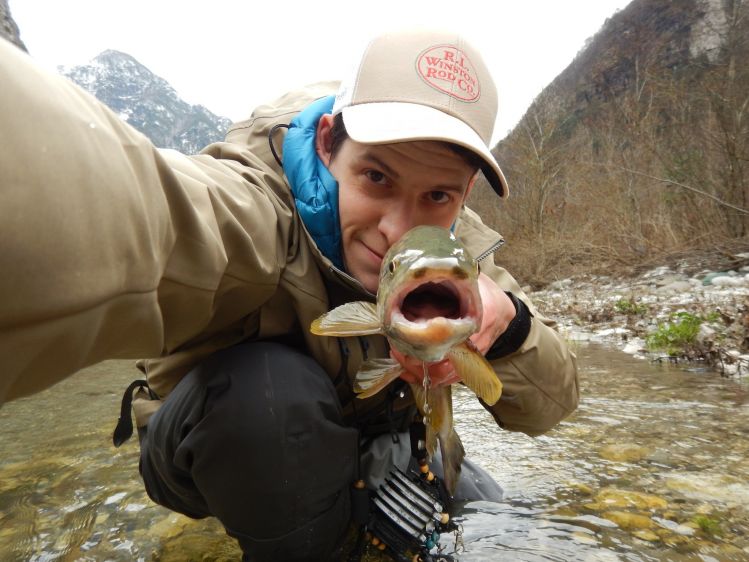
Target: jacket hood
point(315, 189)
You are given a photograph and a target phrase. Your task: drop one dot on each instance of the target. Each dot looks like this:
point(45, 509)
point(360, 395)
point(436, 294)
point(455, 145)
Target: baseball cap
point(423, 85)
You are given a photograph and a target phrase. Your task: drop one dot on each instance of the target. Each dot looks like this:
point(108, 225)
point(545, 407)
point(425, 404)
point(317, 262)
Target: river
point(653, 466)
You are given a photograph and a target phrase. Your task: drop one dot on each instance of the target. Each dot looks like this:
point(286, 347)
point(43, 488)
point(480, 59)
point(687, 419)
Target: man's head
point(406, 139)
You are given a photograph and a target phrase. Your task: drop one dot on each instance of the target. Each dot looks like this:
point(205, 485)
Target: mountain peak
point(112, 57)
point(147, 102)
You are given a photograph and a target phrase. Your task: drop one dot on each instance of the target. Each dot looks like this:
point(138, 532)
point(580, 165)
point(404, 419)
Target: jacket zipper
point(490, 250)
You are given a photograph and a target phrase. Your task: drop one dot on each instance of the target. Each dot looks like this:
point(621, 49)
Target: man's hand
point(497, 314)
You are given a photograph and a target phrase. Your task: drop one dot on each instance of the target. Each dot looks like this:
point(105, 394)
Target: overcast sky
point(237, 54)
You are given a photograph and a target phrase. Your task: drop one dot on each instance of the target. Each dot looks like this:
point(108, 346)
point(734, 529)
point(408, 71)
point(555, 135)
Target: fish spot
point(419, 273)
point(459, 272)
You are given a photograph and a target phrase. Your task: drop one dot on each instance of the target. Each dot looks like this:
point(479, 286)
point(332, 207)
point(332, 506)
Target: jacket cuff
point(514, 336)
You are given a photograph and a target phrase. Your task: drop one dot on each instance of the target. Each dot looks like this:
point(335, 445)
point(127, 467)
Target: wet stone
point(584, 538)
point(646, 535)
point(629, 521)
point(170, 527)
point(673, 540)
point(613, 497)
point(581, 488)
point(624, 452)
point(715, 487)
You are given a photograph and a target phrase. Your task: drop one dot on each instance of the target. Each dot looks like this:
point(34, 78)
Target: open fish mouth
point(431, 315)
point(436, 300)
point(433, 299)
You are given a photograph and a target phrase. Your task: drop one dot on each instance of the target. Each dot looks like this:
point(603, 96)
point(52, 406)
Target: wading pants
point(254, 436)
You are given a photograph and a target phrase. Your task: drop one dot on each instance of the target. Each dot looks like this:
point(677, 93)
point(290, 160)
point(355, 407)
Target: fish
point(428, 305)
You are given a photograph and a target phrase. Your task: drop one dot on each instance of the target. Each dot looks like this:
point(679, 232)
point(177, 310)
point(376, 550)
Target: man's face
point(385, 190)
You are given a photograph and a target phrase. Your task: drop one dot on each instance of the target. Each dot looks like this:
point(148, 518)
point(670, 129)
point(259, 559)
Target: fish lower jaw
point(428, 339)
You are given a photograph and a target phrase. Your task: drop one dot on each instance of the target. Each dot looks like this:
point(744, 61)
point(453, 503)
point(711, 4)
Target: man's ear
point(323, 141)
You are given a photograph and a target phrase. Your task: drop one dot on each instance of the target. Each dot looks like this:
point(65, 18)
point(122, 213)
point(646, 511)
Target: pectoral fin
point(351, 319)
point(374, 375)
point(476, 372)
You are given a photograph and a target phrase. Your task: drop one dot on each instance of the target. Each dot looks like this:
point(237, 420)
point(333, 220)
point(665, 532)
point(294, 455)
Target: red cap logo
point(448, 70)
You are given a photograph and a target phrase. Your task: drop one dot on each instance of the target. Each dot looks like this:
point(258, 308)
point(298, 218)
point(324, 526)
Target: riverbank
point(678, 313)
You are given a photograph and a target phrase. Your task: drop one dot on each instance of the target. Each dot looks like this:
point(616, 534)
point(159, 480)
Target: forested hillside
point(638, 152)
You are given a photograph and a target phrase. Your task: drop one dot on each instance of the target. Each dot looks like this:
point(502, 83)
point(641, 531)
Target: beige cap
point(423, 85)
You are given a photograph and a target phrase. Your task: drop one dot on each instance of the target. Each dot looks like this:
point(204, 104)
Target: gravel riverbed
point(660, 306)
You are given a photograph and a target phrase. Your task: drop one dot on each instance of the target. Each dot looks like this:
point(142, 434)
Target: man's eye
point(375, 176)
point(439, 196)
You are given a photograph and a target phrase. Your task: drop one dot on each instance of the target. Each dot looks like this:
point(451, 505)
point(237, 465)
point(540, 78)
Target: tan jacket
point(112, 248)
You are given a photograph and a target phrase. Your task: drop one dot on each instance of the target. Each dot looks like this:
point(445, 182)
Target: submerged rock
point(629, 521)
point(171, 526)
point(646, 535)
point(721, 488)
point(609, 498)
point(624, 452)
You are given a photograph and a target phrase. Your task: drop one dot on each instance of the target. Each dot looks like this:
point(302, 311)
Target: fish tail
point(452, 459)
point(450, 444)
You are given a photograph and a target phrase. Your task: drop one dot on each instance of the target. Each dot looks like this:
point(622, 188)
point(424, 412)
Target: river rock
point(623, 452)
point(171, 526)
point(200, 548)
point(727, 281)
point(609, 498)
point(584, 538)
point(676, 287)
point(646, 535)
point(580, 488)
point(629, 521)
point(674, 527)
point(721, 488)
point(680, 541)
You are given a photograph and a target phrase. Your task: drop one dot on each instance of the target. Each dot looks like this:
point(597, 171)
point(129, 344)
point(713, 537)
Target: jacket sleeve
point(540, 383)
point(111, 248)
point(539, 379)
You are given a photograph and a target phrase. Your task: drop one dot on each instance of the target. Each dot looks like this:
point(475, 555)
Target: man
point(216, 265)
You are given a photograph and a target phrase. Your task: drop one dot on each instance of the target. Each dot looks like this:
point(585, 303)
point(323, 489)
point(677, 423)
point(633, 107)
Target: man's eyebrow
point(376, 160)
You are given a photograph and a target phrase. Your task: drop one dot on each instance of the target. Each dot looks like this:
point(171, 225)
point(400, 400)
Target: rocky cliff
point(8, 27)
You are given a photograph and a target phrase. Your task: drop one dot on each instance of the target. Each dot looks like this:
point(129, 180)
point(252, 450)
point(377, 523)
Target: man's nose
point(396, 221)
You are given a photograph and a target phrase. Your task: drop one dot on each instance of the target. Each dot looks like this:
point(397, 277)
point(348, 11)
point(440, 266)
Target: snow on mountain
point(148, 102)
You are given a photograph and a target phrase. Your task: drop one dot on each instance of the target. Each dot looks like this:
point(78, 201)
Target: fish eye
point(391, 266)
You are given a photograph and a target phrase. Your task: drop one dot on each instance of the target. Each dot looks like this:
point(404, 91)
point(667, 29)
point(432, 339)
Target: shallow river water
point(654, 465)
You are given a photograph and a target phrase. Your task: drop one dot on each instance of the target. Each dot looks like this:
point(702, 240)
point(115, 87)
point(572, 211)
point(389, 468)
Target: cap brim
point(386, 122)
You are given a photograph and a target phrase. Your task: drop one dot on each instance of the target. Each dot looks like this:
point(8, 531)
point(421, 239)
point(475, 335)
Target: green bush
point(630, 307)
point(676, 335)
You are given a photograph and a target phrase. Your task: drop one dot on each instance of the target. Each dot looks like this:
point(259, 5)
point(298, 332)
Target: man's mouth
point(374, 253)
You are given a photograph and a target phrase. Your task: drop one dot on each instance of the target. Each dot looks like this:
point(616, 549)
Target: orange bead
point(424, 468)
point(445, 518)
point(382, 546)
point(430, 477)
